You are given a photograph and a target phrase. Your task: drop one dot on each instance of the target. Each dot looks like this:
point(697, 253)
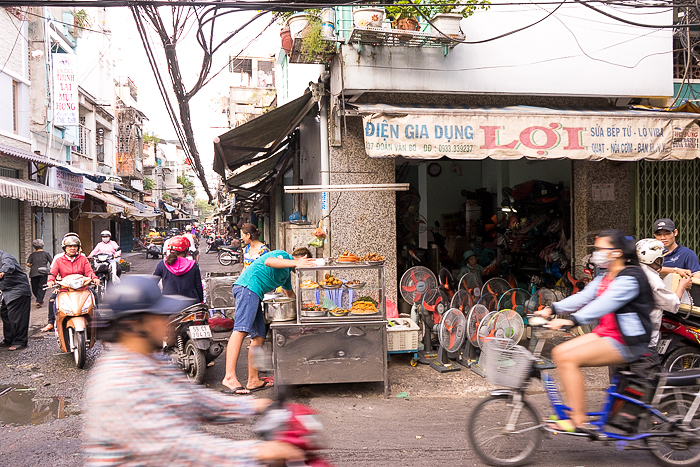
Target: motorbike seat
point(682, 378)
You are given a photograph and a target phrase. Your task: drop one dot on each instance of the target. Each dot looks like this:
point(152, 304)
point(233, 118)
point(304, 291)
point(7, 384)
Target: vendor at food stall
point(264, 275)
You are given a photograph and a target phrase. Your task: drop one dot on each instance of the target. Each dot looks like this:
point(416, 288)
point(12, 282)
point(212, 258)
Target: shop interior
point(512, 217)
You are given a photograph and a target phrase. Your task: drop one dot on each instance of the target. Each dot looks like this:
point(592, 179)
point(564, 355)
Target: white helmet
point(649, 250)
point(106, 233)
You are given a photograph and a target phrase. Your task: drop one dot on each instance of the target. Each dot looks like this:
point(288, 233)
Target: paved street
point(363, 428)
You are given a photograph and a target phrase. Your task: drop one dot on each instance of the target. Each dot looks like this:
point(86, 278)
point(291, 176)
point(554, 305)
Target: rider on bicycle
point(622, 300)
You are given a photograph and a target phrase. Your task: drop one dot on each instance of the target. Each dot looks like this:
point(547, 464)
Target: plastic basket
point(402, 337)
point(504, 366)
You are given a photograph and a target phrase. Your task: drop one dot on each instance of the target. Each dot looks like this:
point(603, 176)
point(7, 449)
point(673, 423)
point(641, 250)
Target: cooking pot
point(279, 309)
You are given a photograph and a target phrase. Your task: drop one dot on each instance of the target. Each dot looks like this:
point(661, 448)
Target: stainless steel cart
point(329, 349)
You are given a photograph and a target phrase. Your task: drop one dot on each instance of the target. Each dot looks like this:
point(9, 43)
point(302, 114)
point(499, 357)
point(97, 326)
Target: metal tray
point(363, 314)
point(355, 286)
point(330, 287)
point(313, 313)
point(374, 263)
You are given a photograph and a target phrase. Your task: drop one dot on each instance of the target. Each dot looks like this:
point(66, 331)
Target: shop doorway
point(514, 216)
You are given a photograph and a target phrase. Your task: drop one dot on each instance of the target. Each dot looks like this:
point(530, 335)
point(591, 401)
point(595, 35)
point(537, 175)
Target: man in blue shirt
point(264, 275)
point(679, 259)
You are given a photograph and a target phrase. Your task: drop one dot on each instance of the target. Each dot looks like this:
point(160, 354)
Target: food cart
point(330, 340)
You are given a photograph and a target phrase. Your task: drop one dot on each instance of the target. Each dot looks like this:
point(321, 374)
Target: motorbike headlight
point(87, 305)
point(64, 303)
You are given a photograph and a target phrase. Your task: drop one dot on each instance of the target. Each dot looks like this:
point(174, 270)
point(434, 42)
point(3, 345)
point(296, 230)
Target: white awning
point(35, 193)
point(139, 216)
point(114, 204)
point(457, 132)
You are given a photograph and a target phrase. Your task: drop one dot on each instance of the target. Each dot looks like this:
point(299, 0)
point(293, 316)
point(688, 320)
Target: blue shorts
point(248, 317)
point(630, 354)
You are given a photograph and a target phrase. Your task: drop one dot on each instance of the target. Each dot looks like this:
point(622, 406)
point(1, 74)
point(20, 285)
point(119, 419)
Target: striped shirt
point(142, 412)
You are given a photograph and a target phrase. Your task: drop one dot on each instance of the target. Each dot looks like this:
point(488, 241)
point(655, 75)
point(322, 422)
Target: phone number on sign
point(452, 148)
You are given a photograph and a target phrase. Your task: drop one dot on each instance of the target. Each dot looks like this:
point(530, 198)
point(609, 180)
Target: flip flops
point(238, 390)
point(264, 385)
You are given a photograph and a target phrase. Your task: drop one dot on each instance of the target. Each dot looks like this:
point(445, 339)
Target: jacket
point(14, 283)
point(629, 296)
point(181, 278)
point(63, 266)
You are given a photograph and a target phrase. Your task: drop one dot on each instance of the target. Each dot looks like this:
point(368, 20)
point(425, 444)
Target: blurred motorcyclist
point(142, 411)
point(110, 247)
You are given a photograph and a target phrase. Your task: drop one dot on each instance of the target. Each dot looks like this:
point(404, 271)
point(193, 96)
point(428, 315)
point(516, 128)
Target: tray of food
point(364, 306)
point(338, 312)
point(347, 257)
point(354, 284)
point(330, 282)
point(309, 285)
point(312, 310)
point(373, 259)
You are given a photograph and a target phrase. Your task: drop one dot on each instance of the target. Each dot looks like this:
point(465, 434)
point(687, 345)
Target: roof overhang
point(35, 193)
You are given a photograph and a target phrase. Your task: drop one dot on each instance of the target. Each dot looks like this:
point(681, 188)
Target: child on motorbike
point(623, 301)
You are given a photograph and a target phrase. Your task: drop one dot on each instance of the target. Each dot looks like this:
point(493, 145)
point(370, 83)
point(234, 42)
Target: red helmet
point(179, 244)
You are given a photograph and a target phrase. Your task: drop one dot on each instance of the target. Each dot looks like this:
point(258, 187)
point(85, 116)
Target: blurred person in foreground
point(140, 410)
point(15, 303)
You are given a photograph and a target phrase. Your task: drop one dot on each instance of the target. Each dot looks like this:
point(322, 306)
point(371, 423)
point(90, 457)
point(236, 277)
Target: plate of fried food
point(312, 310)
point(373, 259)
point(330, 282)
point(309, 285)
point(363, 308)
point(354, 284)
point(338, 312)
point(347, 257)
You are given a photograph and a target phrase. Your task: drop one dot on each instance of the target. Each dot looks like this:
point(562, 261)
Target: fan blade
point(430, 307)
point(407, 288)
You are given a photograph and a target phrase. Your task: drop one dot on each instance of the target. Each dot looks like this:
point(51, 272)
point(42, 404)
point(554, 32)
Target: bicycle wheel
point(487, 433)
point(673, 451)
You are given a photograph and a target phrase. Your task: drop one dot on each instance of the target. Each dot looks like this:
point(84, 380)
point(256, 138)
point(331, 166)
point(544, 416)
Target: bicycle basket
point(506, 366)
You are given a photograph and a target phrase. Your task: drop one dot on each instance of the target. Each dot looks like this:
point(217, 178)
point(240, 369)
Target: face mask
point(601, 259)
point(106, 239)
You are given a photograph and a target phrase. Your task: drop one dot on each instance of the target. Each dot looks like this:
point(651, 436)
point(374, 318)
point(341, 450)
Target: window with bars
point(668, 189)
point(9, 173)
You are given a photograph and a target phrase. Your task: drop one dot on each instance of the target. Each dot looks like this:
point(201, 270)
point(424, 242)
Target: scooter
point(191, 343)
point(295, 424)
point(75, 316)
point(101, 264)
point(228, 256)
point(679, 342)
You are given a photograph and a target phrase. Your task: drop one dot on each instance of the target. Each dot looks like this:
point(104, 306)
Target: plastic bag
point(316, 242)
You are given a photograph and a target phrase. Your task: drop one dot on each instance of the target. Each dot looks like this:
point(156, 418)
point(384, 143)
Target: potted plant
point(315, 45)
point(368, 17)
point(285, 34)
point(446, 18)
point(403, 15)
point(298, 22)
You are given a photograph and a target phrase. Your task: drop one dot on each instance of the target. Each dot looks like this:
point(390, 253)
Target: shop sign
point(65, 90)
point(140, 206)
point(69, 182)
point(532, 136)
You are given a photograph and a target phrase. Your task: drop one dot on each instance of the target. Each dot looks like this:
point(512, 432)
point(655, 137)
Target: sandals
point(47, 328)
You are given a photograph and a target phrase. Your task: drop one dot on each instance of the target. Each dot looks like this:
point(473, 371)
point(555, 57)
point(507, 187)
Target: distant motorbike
point(154, 247)
point(191, 343)
point(101, 263)
point(228, 256)
point(75, 316)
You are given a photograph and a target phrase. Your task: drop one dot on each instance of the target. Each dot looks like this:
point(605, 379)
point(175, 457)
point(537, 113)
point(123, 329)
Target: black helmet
point(139, 293)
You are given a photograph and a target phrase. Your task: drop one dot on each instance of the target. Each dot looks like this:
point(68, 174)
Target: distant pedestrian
point(16, 303)
point(254, 248)
point(180, 275)
point(39, 264)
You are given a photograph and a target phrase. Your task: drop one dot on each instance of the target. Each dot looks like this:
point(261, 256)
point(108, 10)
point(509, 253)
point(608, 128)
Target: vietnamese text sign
point(65, 90)
point(502, 136)
point(68, 182)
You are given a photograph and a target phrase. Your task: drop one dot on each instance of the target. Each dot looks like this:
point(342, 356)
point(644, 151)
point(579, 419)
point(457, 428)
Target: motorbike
point(101, 267)
point(75, 316)
point(228, 256)
point(679, 342)
point(154, 247)
point(295, 424)
point(191, 343)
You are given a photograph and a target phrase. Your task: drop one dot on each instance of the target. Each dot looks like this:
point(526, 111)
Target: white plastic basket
point(504, 366)
point(402, 337)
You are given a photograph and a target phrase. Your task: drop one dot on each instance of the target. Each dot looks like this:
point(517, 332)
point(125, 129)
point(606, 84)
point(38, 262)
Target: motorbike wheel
point(488, 437)
point(101, 290)
point(225, 258)
point(195, 363)
point(682, 359)
point(80, 347)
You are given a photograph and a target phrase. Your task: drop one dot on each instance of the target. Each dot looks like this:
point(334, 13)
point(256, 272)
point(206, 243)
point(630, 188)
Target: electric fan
point(490, 301)
point(472, 284)
point(496, 286)
point(435, 304)
point(463, 301)
point(414, 283)
point(474, 316)
point(502, 324)
point(514, 299)
point(447, 283)
point(539, 300)
point(451, 334)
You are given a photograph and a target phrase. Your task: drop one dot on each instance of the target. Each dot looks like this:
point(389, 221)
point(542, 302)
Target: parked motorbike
point(154, 248)
point(192, 344)
point(296, 424)
point(75, 316)
point(101, 267)
point(228, 256)
point(679, 343)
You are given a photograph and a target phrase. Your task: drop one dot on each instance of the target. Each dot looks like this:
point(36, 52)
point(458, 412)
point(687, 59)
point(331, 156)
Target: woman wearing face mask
point(622, 300)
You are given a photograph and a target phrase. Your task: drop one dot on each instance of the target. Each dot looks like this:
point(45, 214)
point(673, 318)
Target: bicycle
point(505, 429)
